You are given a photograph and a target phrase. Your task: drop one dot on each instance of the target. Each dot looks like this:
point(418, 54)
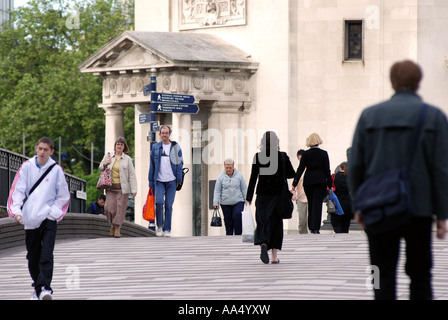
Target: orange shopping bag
point(148, 208)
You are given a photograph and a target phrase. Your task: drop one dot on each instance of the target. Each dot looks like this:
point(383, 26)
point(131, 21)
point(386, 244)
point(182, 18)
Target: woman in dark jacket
point(341, 223)
point(271, 168)
point(316, 180)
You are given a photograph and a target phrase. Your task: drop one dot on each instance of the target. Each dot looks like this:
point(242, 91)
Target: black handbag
point(179, 185)
point(285, 206)
point(385, 200)
point(216, 219)
point(184, 170)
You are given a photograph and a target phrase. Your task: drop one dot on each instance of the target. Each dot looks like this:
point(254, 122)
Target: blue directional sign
point(172, 98)
point(174, 107)
point(147, 117)
point(154, 125)
point(147, 89)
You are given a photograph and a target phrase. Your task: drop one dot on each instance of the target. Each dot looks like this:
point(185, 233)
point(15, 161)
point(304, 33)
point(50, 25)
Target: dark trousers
point(232, 218)
point(384, 253)
point(315, 193)
point(40, 245)
point(341, 224)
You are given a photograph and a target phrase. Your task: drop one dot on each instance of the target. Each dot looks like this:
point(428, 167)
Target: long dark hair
point(269, 142)
point(269, 147)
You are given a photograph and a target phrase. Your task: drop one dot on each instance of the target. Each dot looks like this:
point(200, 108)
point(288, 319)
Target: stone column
point(227, 139)
point(114, 124)
point(182, 223)
point(142, 153)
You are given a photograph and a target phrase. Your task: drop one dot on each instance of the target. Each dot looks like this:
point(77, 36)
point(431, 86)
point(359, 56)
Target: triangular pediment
point(121, 54)
point(135, 58)
point(133, 50)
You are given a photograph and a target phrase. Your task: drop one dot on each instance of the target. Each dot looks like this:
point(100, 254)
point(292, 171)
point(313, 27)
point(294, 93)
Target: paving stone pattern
point(312, 267)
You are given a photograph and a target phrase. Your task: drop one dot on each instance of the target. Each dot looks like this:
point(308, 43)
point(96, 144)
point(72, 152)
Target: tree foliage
point(42, 91)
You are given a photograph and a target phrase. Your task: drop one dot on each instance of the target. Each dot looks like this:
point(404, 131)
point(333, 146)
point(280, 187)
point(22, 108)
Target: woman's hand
point(359, 219)
point(441, 229)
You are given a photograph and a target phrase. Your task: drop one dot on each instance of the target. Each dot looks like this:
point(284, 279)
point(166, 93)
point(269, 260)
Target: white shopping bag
point(248, 224)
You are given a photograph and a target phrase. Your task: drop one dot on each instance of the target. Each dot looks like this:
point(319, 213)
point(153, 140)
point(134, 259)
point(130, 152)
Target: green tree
point(42, 92)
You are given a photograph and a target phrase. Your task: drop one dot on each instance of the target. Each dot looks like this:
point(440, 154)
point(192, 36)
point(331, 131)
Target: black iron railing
point(10, 163)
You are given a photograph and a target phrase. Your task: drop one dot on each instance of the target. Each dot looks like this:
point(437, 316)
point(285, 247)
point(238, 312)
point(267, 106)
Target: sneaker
point(167, 234)
point(45, 294)
point(159, 232)
point(34, 296)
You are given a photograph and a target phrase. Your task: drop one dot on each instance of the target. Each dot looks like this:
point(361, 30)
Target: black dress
point(270, 178)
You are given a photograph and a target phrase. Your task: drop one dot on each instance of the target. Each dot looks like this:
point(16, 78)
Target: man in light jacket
point(165, 174)
point(39, 213)
point(380, 143)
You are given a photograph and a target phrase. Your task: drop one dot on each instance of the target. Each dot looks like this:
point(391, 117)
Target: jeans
point(40, 245)
point(164, 197)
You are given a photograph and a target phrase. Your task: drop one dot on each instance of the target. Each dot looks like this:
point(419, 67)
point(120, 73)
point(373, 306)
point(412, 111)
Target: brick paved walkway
point(325, 266)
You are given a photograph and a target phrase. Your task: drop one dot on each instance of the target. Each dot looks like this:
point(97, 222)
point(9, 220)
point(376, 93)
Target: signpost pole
point(152, 134)
point(153, 113)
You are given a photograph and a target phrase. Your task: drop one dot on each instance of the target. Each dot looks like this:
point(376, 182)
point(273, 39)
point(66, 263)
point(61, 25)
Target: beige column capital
point(112, 109)
point(231, 107)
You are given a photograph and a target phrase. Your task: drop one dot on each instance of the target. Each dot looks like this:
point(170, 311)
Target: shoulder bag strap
point(416, 135)
point(41, 178)
point(37, 183)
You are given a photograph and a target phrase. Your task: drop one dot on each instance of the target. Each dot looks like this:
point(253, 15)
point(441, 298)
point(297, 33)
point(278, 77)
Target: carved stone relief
point(116, 86)
point(195, 14)
point(128, 88)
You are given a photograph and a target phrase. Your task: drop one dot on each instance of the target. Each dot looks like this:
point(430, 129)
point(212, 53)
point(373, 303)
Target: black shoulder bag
point(385, 200)
point(285, 206)
point(184, 170)
point(37, 183)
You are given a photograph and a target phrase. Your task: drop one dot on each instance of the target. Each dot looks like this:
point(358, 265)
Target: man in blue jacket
point(380, 144)
point(165, 173)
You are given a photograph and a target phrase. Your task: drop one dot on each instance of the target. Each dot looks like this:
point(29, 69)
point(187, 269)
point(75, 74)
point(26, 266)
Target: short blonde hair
point(313, 140)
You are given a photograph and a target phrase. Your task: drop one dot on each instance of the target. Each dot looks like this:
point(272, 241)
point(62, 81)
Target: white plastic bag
point(248, 224)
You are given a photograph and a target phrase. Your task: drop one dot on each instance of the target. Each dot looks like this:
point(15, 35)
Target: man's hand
point(19, 218)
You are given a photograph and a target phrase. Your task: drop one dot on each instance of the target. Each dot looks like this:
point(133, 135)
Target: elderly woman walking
point(124, 180)
point(230, 193)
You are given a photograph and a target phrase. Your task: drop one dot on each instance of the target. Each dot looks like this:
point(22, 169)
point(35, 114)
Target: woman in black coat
point(316, 180)
point(271, 168)
point(341, 223)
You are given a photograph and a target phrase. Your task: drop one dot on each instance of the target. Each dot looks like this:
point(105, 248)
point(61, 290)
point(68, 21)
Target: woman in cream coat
point(123, 181)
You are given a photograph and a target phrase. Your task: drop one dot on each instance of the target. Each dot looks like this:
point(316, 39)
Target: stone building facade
point(292, 66)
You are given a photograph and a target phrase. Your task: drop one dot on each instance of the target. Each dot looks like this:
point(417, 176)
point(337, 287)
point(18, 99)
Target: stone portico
point(216, 73)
